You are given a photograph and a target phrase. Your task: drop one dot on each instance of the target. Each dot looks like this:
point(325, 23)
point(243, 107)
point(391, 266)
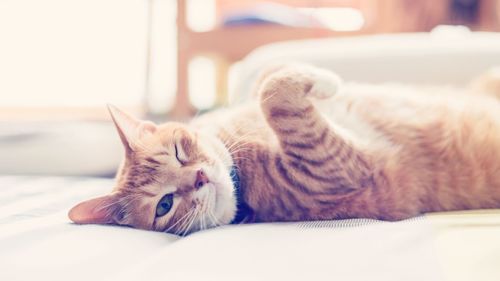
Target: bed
point(38, 242)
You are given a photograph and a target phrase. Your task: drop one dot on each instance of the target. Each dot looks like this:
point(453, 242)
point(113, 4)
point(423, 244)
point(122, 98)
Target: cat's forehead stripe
point(162, 153)
point(146, 193)
point(151, 160)
point(140, 175)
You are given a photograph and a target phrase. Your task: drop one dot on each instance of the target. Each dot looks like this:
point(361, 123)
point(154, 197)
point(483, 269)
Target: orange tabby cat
point(309, 149)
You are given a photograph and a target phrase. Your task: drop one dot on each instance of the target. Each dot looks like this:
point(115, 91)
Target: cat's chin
point(223, 205)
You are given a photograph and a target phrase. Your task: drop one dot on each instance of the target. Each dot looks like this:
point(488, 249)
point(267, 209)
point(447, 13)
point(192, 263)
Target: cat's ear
point(100, 210)
point(130, 128)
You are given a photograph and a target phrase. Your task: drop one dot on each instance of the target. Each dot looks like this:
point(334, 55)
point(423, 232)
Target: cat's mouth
point(215, 197)
point(219, 197)
point(212, 196)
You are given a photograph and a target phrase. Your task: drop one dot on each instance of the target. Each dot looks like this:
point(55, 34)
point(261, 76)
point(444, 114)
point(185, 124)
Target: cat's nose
point(201, 179)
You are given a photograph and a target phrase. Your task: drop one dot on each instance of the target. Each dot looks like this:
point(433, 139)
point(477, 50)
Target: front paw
point(325, 83)
point(292, 83)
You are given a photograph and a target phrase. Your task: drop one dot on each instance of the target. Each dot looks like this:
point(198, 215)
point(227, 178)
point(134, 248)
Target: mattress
point(38, 242)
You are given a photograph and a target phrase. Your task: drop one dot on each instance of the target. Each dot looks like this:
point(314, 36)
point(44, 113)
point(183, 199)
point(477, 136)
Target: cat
point(309, 147)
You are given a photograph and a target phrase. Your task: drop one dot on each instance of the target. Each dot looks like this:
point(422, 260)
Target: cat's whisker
point(243, 137)
point(106, 206)
point(239, 149)
point(239, 144)
point(247, 134)
point(178, 221)
point(123, 202)
point(198, 211)
point(215, 221)
point(205, 209)
point(200, 220)
point(187, 221)
point(235, 146)
point(240, 158)
point(239, 154)
point(236, 153)
point(208, 206)
point(211, 216)
point(201, 223)
point(194, 218)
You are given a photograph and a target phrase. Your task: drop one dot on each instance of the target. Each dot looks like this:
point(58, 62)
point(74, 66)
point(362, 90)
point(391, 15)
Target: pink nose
point(201, 179)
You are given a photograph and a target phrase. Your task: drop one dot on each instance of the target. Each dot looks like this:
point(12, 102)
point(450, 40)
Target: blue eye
point(164, 205)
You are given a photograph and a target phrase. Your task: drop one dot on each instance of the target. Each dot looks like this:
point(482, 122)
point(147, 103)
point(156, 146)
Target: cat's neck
point(244, 134)
point(243, 213)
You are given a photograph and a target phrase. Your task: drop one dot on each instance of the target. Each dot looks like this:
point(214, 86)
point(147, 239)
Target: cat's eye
point(164, 205)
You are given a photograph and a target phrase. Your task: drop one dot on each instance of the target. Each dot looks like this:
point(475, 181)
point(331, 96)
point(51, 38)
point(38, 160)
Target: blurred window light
point(72, 52)
point(162, 72)
point(337, 19)
point(202, 82)
point(201, 15)
point(233, 77)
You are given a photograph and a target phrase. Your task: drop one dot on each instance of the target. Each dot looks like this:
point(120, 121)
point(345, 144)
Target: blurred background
point(62, 61)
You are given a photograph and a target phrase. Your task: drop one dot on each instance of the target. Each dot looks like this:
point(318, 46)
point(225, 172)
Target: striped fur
point(310, 148)
point(310, 167)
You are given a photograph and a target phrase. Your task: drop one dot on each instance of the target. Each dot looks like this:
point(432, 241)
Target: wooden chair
point(226, 45)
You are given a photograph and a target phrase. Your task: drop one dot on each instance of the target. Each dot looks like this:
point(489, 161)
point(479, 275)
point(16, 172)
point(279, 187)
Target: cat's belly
point(345, 118)
point(445, 150)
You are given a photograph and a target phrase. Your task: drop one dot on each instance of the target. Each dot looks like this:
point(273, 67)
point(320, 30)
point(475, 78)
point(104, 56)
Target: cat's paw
point(293, 82)
point(325, 83)
point(488, 83)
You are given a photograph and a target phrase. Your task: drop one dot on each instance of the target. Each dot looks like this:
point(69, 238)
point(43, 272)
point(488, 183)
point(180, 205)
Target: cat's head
point(174, 179)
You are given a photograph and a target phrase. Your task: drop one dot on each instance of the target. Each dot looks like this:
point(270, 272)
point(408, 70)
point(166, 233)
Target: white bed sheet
point(38, 242)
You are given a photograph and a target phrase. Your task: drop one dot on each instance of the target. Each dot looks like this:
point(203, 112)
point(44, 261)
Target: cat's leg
point(311, 147)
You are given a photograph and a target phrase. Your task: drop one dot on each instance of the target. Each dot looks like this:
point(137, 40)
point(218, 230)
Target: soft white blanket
point(38, 242)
